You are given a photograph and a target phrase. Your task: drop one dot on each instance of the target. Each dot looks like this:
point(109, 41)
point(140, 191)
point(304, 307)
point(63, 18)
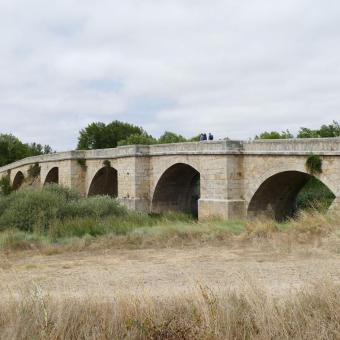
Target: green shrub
point(65, 193)
point(315, 195)
point(35, 210)
point(58, 212)
point(96, 206)
point(29, 209)
point(5, 185)
point(314, 164)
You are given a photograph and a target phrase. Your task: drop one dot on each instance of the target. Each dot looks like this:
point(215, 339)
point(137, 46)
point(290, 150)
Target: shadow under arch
point(52, 176)
point(277, 196)
point(178, 189)
point(105, 182)
point(18, 180)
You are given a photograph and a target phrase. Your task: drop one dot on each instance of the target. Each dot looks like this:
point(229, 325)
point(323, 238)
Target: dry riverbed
point(170, 271)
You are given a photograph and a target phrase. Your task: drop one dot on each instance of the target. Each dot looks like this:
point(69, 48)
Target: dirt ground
point(168, 271)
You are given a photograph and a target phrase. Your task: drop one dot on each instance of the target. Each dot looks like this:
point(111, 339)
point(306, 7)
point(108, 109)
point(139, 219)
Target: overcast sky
point(234, 68)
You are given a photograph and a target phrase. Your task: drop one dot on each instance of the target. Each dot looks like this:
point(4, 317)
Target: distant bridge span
point(227, 179)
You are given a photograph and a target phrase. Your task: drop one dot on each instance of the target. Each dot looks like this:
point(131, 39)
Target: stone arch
point(52, 176)
point(276, 195)
point(104, 182)
point(18, 180)
point(258, 178)
point(178, 189)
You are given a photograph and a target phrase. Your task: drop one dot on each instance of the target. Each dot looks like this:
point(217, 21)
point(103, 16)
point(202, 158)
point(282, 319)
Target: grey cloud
point(234, 68)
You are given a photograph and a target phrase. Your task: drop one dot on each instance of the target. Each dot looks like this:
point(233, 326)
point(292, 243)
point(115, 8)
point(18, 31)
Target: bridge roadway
point(226, 179)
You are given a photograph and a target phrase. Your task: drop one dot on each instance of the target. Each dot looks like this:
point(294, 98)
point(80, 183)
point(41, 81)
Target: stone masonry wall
point(230, 171)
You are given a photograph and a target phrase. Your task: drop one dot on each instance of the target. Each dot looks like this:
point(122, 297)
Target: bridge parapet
point(208, 147)
point(54, 157)
point(324, 146)
point(296, 146)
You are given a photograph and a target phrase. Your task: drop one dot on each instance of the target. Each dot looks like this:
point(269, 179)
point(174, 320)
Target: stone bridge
point(227, 179)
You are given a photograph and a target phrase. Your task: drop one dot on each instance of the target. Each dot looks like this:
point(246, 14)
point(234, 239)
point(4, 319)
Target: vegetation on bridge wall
point(82, 163)
point(314, 165)
point(34, 171)
point(107, 163)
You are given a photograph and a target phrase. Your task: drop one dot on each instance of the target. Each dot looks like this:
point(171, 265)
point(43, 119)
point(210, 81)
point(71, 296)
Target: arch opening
point(18, 180)
point(52, 176)
point(178, 190)
point(105, 182)
point(282, 195)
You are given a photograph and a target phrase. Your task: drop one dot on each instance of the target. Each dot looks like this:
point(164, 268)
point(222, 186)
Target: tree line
point(12, 149)
point(331, 130)
point(99, 135)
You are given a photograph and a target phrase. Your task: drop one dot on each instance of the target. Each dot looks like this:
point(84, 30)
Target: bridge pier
point(136, 204)
point(219, 208)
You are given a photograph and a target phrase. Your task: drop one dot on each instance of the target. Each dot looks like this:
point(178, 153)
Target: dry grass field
point(260, 284)
point(76, 268)
point(169, 271)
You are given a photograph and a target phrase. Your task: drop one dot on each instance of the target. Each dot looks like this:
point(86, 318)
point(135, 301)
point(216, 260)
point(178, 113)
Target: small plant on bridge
point(5, 185)
point(314, 164)
point(34, 171)
point(107, 163)
point(82, 163)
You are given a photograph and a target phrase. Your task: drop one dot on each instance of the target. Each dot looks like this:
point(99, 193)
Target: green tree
point(275, 135)
point(136, 139)
point(171, 137)
point(331, 130)
point(12, 149)
point(195, 139)
point(35, 149)
point(99, 135)
point(307, 133)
